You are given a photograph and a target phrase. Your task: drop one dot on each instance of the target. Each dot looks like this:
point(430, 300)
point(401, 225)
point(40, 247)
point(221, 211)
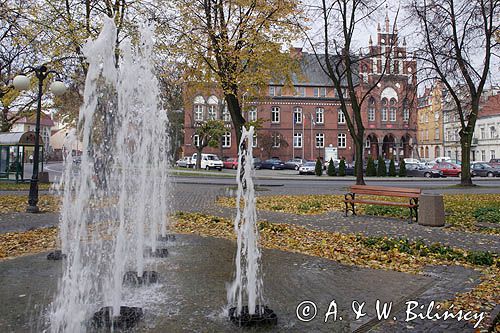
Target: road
point(291, 179)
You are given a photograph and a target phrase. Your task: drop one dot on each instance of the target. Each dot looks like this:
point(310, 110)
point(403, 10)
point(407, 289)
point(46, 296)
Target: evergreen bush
point(318, 170)
point(331, 169)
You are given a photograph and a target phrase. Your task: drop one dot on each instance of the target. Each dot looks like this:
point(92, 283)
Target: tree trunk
point(465, 143)
point(198, 157)
point(358, 144)
point(234, 108)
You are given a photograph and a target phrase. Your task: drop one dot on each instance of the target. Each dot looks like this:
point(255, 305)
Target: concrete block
point(431, 210)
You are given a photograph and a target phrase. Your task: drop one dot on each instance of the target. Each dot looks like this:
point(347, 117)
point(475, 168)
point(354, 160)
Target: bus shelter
point(16, 155)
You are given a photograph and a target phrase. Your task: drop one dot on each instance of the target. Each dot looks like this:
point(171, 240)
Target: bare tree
point(458, 45)
point(339, 58)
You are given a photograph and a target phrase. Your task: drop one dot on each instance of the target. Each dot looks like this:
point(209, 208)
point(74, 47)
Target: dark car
point(484, 170)
point(272, 164)
point(257, 163)
point(294, 163)
point(419, 170)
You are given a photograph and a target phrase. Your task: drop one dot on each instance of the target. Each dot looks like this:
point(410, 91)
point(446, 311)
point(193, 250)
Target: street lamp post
point(22, 82)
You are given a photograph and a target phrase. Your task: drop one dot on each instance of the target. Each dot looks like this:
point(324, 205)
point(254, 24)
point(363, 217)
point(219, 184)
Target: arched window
point(371, 109)
point(384, 109)
point(199, 108)
point(212, 107)
point(392, 110)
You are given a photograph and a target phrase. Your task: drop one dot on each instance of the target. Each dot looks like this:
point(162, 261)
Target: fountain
point(116, 206)
point(247, 285)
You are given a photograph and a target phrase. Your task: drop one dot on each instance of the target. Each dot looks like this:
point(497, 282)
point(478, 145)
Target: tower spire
point(386, 19)
point(370, 42)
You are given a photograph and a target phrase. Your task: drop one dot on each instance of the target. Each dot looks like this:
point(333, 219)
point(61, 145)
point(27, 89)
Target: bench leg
point(348, 197)
point(413, 209)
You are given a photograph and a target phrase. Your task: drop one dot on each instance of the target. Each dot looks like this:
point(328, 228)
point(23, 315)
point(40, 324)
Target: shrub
point(402, 169)
point(487, 214)
point(382, 169)
point(481, 258)
point(392, 168)
point(342, 168)
point(370, 168)
point(318, 170)
point(331, 169)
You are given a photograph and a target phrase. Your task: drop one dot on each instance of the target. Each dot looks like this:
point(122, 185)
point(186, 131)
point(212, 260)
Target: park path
point(195, 197)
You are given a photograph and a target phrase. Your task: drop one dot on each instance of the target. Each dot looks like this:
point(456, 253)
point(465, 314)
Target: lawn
point(463, 211)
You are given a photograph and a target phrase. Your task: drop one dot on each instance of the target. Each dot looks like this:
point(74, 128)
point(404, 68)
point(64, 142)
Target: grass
point(460, 208)
point(13, 186)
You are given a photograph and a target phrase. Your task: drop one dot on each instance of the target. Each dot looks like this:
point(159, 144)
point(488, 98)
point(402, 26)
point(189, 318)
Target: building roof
point(18, 138)
point(45, 120)
point(312, 72)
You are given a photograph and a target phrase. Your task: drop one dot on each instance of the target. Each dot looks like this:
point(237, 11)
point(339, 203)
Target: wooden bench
point(351, 198)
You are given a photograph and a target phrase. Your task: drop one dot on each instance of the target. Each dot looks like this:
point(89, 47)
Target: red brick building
point(302, 121)
point(390, 115)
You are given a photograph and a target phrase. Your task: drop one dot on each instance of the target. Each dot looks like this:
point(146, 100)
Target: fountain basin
point(56, 255)
point(128, 318)
point(148, 277)
point(261, 317)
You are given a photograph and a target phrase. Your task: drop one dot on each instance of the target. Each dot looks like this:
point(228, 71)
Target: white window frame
point(297, 140)
point(212, 112)
point(252, 114)
point(297, 115)
point(342, 140)
point(322, 92)
point(320, 140)
point(275, 115)
point(340, 117)
point(492, 154)
point(300, 91)
point(272, 91)
point(226, 116)
point(320, 115)
point(226, 140)
point(371, 113)
point(392, 114)
point(316, 92)
point(196, 140)
point(276, 137)
point(199, 109)
point(254, 144)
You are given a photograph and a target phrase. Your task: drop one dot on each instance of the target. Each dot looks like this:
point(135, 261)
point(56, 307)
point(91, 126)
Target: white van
point(208, 161)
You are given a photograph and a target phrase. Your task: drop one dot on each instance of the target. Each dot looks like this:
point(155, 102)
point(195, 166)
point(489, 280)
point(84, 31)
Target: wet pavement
point(191, 295)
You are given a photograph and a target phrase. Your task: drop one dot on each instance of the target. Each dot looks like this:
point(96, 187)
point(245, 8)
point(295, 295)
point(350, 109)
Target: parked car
point(308, 168)
point(209, 161)
point(411, 160)
point(272, 164)
point(482, 169)
point(448, 169)
point(184, 162)
point(231, 163)
point(495, 162)
point(294, 163)
point(257, 163)
point(335, 163)
point(442, 159)
point(418, 170)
